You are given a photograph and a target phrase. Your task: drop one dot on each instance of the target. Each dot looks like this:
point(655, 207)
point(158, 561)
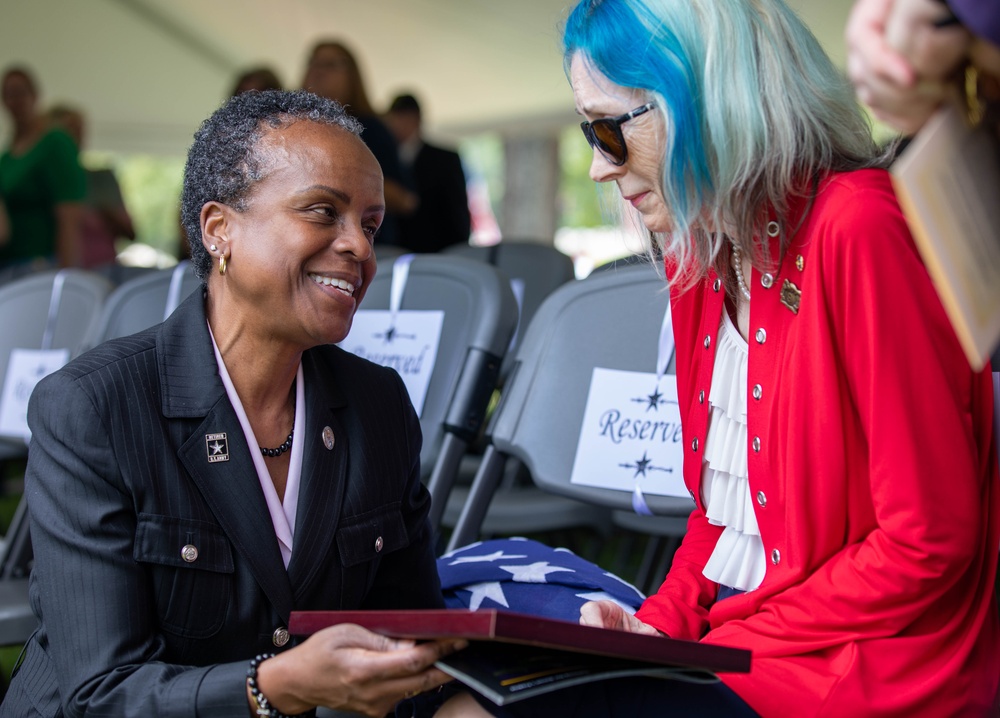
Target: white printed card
point(26, 368)
point(631, 434)
point(407, 341)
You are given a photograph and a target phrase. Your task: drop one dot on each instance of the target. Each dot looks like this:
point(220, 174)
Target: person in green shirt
point(42, 183)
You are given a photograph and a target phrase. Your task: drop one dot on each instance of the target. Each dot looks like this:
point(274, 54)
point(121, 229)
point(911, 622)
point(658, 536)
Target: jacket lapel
point(323, 480)
point(191, 389)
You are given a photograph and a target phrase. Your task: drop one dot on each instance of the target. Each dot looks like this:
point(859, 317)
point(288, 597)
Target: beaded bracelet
point(262, 707)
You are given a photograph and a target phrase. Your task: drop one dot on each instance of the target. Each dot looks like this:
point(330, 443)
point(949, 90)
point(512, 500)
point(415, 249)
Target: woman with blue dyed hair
point(838, 446)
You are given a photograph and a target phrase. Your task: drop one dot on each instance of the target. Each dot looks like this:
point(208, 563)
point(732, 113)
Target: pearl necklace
point(281, 449)
point(736, 257)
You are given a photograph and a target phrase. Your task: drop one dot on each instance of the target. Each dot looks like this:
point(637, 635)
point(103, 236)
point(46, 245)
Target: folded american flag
point(526, 576)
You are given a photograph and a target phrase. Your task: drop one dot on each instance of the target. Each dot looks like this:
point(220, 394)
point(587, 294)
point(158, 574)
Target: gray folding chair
point(48, 310)
point(16, 619)
point(611, 320)
point(143, 301)
point(118, 274)
point(631, 260)
point(386, 253)
point(480, 314)
point(536, 270)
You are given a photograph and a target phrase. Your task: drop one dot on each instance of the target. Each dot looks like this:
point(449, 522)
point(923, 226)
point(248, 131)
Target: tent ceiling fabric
point(148, 71)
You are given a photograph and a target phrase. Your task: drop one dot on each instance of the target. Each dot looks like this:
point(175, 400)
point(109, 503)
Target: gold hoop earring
point(222, 265)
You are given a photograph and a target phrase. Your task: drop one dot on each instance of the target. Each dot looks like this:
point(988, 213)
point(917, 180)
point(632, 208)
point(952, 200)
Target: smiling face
point(638, 179)
point(299, 257)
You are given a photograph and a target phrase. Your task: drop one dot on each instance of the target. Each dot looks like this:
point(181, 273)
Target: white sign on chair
point(25, 368)
point(631, 435)
point(406, 340)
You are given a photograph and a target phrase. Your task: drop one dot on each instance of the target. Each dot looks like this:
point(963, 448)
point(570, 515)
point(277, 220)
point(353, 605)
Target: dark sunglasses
point(605, 135)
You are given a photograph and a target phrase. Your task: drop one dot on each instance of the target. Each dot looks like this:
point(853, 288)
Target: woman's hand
point(898, 59)
point(347, 667)
point(608, 614)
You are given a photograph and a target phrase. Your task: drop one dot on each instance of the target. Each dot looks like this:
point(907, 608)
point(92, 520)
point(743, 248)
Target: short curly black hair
point(222, 164)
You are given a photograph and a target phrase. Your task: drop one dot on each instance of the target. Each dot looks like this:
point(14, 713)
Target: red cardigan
point(874, 476)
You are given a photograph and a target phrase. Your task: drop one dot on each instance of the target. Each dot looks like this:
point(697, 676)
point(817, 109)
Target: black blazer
point(442, 218)
point(120, 482)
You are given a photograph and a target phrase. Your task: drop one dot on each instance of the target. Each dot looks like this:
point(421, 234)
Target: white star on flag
point(462, 548)
point(625, 583)
point(534, 573)
point(495, 556)
point(491, 590)
point(604, 596)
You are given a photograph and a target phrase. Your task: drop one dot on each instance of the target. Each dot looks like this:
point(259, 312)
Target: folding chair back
point(480, 314)
point(534, 270)
point(611, 320)
point(144, 301)
point(47, 310)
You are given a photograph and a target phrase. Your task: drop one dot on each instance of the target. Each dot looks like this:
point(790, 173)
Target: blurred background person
point(257, 78)
point(41, 181)
point(332, 72)
point(442, 216)
point(104, 218)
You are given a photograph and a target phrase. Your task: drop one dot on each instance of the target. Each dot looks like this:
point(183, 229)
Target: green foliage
point(579, 196)
point(482, 158)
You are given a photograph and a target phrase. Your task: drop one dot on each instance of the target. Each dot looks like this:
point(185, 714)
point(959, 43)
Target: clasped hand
point(608, 614)
point(347, 667)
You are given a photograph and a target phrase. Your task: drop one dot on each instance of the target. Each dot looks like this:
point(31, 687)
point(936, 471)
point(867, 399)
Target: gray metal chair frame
point(613, 321)
point(541, 267)
point(25, 305)
point(144, 301)
point(480, 317)
point(16, 618)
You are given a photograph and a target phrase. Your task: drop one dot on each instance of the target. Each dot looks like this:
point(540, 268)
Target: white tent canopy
point(146, 72)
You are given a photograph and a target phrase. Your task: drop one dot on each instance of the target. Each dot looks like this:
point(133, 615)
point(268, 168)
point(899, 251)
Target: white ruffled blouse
point(738, 560)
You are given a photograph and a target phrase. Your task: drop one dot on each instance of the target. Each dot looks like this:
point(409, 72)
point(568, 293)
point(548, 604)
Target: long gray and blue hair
point(752, 109)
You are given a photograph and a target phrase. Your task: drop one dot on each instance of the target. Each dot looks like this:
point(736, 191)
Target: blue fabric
point(525, 576)
point(979, 17)
point(727, 592)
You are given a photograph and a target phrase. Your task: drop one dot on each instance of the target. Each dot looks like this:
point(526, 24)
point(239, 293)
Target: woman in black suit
point(191, 485)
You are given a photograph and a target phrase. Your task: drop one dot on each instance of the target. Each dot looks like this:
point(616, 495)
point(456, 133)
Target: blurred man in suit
point(442, 217)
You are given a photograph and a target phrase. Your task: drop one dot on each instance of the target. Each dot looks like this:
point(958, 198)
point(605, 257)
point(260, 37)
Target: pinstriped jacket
point(119, 482)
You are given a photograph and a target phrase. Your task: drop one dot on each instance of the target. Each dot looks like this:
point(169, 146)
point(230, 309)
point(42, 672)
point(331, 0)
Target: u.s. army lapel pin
point(217, 447)
point(791, 296)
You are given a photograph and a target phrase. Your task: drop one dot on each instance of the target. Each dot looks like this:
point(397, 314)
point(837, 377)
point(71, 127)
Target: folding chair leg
point(443, 476)
point(644, 575)
point(480, 494)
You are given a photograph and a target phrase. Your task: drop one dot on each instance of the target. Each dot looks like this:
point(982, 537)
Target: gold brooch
point(791, 296)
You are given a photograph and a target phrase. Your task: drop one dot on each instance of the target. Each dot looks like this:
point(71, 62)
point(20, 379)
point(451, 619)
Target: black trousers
point(630, 698)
